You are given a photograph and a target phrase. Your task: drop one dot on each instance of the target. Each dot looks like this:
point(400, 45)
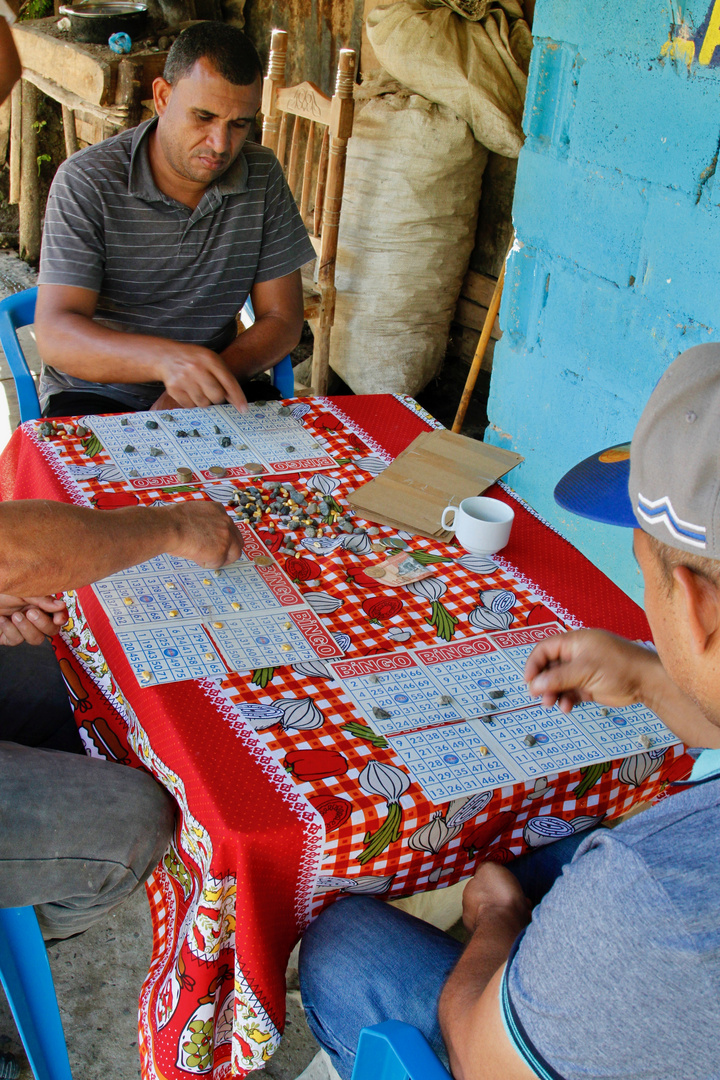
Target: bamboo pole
point(29, 240)
point(15, 143)
point(71, 139)
point(481, 347)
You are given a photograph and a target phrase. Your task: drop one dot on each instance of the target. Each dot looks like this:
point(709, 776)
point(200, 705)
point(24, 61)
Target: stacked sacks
point(413, 181)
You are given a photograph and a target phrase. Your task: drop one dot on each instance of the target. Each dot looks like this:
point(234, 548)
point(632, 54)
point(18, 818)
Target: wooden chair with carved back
point(292, 114)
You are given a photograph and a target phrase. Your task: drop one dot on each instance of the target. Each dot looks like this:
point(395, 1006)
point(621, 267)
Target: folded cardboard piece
point(436, 470)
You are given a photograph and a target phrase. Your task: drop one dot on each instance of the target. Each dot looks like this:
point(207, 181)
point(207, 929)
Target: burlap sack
point(407, 228)
point(477, 68)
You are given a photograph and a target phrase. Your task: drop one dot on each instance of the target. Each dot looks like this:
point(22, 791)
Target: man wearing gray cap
point(615, 973)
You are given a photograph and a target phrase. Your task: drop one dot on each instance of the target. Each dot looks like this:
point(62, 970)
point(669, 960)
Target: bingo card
point(461, 719)
point(149, 447)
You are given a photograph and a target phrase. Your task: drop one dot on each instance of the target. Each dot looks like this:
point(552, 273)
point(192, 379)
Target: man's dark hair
point(229, 50)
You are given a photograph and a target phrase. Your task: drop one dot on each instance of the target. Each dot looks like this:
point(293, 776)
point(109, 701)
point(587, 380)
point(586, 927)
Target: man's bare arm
point(70, 340)
point(278, 307)
point(50, 547)
point(10, 69)
point(495, 911)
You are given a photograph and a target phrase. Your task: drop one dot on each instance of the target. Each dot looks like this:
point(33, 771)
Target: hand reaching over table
point(594, 665)
point(30, 618)
point(589, 665)
point(194, 376)
point(205, 534)
point(50, 547)
point(75, 343)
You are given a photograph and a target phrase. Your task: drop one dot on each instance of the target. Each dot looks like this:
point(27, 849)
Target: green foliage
point(38, 125)
point(40, 159)
point(36, 9)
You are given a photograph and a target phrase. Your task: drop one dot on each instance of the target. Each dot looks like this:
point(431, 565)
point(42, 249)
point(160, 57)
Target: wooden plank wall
point(317, 30)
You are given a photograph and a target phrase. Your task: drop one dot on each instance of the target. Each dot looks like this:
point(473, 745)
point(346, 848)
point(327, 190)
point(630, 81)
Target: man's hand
point(591, 665)
point(195, 376)
point(70, 339)
point(205, 534)
point(494, 888)
point(30, 618)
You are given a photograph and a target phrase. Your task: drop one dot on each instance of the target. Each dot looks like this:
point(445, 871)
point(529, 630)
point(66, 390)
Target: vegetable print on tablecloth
point(199, 1012)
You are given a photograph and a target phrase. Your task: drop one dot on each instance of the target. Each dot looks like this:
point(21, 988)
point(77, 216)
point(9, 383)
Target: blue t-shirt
point(618, 975)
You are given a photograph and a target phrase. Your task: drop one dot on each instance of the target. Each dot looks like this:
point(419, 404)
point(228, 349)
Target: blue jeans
point(362, 962)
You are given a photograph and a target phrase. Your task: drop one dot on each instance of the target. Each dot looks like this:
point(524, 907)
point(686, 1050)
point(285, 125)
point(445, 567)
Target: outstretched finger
point(233, 391)
point(235, 547)
point(46, 603)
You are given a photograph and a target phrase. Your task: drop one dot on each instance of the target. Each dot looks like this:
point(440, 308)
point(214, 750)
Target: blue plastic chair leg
point(27, 981)
point(283, 378)
point(18, 310)
point(282, 374)
point(396, 1051)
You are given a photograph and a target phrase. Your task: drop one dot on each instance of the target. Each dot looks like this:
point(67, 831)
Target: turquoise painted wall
point(616, 267)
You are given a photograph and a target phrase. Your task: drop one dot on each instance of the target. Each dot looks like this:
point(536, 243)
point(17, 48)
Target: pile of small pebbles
point(308, 515)
point(53, 429)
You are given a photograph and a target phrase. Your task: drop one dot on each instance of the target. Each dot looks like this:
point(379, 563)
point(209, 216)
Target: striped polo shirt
point(159, 267)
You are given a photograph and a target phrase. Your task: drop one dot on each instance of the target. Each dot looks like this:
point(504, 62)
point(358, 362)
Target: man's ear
point(161, 94)
point(700, 601)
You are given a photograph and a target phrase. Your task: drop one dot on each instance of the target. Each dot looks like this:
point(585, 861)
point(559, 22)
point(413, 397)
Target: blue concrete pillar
point(616, 268)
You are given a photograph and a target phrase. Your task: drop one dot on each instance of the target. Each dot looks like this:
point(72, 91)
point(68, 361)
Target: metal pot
point(95, 20)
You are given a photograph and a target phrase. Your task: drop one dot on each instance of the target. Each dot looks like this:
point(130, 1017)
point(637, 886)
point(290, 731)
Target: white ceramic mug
point(482, 525)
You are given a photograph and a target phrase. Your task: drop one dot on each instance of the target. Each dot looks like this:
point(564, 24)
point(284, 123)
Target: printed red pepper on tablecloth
point(111, 500)
point(315, 764)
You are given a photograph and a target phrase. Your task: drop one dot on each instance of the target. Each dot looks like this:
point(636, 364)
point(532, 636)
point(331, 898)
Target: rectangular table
point(287, 800)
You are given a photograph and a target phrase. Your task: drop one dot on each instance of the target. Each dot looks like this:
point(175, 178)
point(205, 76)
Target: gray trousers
point(77, 835)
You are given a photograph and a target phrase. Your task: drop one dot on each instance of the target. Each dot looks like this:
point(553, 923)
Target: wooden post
point(341, 121)
point(481, 347)
point(127, 93)
point(29, 180)
point(307, 172)
point(15, 143)
point(273, 81)
point(321, 181)
point(71, 139)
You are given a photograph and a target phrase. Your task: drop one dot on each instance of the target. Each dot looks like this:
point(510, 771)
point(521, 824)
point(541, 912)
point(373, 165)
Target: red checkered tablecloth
point(274, 822)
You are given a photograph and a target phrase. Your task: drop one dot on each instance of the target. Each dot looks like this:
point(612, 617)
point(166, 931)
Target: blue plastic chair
point(16, 311)
point(396, 1051)
point(19, 310)
point(27, 980)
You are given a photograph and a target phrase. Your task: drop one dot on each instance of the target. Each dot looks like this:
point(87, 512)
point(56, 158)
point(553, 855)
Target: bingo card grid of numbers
point(452, 758)
point(263, 442)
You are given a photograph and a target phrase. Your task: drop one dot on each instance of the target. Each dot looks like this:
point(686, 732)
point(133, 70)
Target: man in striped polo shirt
point(154, 239)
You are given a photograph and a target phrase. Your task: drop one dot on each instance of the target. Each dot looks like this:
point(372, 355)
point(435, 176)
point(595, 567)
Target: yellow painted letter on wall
point(712, 36)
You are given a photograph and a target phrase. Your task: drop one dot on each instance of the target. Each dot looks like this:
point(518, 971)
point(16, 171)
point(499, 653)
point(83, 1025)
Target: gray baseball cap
point(675, 455)
point(669, 484)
